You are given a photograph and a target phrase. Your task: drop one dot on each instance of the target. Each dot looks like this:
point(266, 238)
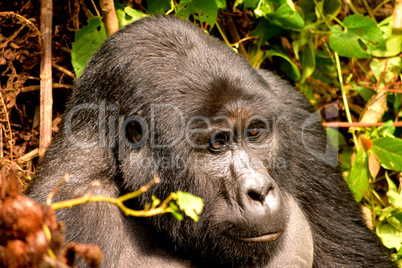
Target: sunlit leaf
point(287, 17)
point(394, 198)
point(389, 151)
point(86, 41)
point(393, 39)
point(390, 236)
point(359, 176)
point(307, 61)
point(358, 39)
point(201, 10)
point(374, 164)
point(158, 6)
point(191, 205)
point(287, 66)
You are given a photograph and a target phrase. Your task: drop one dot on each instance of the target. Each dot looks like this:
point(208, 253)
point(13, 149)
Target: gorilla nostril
point(254, 195)
point(259, 194)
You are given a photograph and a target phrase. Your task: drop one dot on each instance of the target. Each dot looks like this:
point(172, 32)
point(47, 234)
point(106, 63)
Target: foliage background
point(344, 56)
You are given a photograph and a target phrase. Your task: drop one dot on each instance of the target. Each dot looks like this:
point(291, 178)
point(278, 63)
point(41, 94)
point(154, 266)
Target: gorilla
point(162, 97)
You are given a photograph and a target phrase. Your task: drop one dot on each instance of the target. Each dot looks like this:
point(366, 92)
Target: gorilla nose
point(261, 199)
point(258, 193)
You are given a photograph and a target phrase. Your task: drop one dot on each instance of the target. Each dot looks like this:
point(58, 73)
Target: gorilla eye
point(255, 131)
point(252, 132)
point(219, 142)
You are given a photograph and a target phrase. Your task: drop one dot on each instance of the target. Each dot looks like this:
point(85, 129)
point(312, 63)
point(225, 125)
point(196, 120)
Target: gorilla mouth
point(260, 239)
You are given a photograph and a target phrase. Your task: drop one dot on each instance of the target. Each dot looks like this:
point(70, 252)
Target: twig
point(63, 70)
point(37, 87)
point(46, 98)
point(154, 210)
point(236, 37)
point(10, 138)
point(96, 9)
point(29, 156)
point(378, 7)
point(109, 17)
point(367, 6)
point(357, 124)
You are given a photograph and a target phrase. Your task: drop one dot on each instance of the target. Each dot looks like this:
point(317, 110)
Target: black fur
point(164, 60)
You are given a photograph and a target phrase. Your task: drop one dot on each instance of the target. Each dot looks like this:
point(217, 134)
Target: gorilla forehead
point(186, 67)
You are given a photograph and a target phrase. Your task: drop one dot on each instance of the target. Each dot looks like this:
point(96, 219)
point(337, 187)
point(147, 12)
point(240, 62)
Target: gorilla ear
point(134, 131)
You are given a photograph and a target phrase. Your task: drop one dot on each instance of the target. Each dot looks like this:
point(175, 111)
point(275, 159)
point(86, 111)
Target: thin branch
point(109, 17)
point(63, 70)
point(46, 98)
point(236, 37)
point(356, 124)
point(154, 210)
point(37, 87)
point(10, 138)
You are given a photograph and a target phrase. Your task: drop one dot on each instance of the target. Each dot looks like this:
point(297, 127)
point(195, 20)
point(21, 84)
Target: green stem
point(223, 35)
point(379, 198)
point(172, 8)
point(352, 7)
point(344, 97)
point(380, 5)
point(322, 15)
point(372, 205)
point(369, 10)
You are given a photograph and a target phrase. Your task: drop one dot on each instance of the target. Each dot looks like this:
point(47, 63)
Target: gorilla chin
point(162, 97)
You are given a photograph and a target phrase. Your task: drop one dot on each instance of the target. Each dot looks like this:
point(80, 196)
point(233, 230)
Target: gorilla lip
point(259, 239)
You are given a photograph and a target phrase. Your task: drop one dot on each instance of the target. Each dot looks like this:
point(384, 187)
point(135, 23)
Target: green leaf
point(389, 151)
point(190, 204)
point(263, 9)
point(393, 65)
point(386, 26)
point(177, 215)
point(221, 3)
point(345, 158)
point(246, 3)
point(332, 7)
point(287, 65)
point(393, 39)
point(388, 129)
point(324, 68)
point(359, 38)
point(201, 10)
point(390, 236)
point(158, 6)
point(86, 41)
point(396, 102)
point(287, 17)
point(127, 15)
point(308, 92)
point(335, 137)
point(308, 9)
point(364, 92)
point(307, 61)
point(394, 197)
point(266, 30)
point(359, 175)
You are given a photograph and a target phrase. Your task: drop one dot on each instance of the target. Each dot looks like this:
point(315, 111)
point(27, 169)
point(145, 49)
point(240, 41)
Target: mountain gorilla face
point(235, 160)
point(161, 97)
